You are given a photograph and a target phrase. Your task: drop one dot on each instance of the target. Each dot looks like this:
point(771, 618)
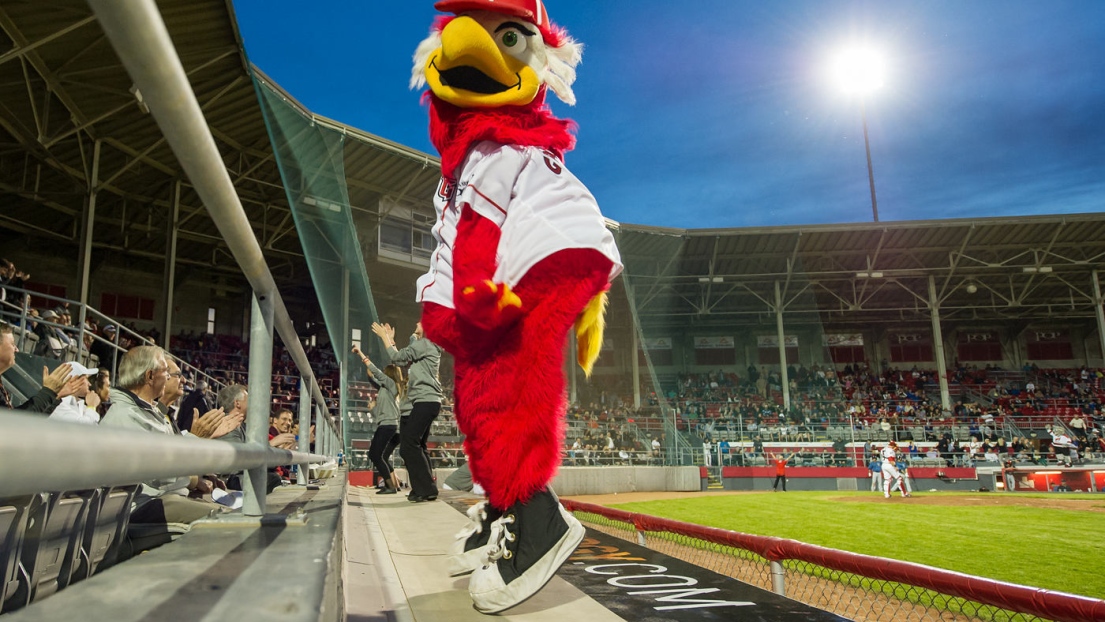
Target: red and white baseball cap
point(530, 10)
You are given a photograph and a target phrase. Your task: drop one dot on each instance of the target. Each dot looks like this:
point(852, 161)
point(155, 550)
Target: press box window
point(407, 240)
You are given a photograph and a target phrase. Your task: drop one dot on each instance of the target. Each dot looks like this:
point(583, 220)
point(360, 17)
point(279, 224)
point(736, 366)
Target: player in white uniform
point(890, 474)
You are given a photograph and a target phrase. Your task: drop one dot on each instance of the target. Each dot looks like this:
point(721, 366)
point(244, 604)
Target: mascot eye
point(514, 42)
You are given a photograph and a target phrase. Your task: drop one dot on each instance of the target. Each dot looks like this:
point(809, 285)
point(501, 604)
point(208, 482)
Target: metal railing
point(38, 455)
point(79, 351)
point(859, 587)
point(139, 36)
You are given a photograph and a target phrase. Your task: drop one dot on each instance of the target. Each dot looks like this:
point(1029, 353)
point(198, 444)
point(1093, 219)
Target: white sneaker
point(525, 549)
point(469, 550)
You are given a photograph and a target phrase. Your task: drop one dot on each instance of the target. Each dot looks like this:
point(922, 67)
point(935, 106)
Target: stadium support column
point(304, 428)
point(320, 430)
point(1098, 301)
point(168, 288)
point(343, 361)
point(938, 342)
point(86, 242)
point(260, 400)
point(635, 365)
point(782, 348)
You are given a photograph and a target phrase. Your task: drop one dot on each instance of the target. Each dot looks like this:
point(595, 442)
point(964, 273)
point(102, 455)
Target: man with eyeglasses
point(143, 375)
point(173, 390)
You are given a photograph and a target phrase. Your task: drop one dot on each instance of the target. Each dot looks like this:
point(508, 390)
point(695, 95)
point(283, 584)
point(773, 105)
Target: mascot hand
point(489, 305)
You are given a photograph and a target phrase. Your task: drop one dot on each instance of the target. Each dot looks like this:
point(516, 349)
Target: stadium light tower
point(861, 71)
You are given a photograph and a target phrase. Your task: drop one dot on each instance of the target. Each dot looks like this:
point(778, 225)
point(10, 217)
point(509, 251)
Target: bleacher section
point(63, 543)
point(53, 540)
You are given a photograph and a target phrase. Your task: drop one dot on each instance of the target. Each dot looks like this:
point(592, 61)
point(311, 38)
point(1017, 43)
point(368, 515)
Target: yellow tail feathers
point(589, 329)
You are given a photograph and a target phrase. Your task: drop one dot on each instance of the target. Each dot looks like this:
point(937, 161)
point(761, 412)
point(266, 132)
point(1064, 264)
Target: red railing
point(1021, 599)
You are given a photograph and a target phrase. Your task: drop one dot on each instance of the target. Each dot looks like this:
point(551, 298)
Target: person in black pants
point(424, 391)
point(393, 389)
point(780, 471)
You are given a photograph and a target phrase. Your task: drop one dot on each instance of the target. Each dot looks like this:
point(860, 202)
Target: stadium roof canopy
point(65, 92)
point(987, 270)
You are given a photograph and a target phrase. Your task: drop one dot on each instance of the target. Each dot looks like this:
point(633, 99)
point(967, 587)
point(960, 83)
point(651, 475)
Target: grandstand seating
point(14, 517)
point(50, 547)
point(105, 529)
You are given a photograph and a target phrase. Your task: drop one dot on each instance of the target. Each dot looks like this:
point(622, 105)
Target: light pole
point(861, 72)
point(870, 169)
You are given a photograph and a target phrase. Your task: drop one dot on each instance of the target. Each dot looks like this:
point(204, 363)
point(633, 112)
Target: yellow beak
point(471, 71)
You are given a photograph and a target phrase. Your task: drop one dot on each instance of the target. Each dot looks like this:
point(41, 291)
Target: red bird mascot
point(523, 255)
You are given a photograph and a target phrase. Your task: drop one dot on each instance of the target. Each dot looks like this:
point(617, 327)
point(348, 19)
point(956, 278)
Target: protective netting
point(311, 161)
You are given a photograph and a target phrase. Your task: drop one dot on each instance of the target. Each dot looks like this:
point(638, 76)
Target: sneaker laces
point(477, 514)
point(499, 537)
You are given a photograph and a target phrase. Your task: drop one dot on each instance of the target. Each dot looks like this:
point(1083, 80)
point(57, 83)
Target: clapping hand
point(385, 332)
point(207, 425)
point(283, 441)
point(56, 380)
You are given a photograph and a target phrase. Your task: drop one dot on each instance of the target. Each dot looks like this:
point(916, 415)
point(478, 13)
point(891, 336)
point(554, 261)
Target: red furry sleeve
point(480, 302)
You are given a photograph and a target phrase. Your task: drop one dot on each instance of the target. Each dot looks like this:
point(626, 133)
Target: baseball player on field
point(890, 474)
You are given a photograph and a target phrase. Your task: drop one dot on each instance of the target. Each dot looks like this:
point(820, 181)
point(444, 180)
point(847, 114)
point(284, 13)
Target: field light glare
point(859, 71)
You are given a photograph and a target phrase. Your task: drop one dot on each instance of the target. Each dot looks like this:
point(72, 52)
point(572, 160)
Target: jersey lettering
point(552, 162)
point(445, 188)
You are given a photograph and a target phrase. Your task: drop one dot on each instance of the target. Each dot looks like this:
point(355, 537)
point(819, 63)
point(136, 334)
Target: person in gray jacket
point(424, 388)
point(393, 389)
point(143, 374)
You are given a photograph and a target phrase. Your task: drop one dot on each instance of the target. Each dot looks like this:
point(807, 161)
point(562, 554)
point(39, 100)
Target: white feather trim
point(560, 73)
point(422, 56)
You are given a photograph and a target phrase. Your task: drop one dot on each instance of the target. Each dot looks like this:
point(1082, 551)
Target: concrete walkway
point(395, 567)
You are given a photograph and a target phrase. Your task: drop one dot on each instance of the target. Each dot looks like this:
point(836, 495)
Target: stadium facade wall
point(856, 479)
point(605, 480)
point(611, 479)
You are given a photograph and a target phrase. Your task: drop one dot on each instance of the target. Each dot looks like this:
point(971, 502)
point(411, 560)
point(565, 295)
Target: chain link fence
point(859, 587)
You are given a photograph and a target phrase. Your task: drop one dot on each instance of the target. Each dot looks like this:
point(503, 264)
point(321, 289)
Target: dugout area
point(1052, 479)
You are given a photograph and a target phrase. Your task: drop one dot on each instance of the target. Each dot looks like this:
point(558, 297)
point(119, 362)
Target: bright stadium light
point(861, 71)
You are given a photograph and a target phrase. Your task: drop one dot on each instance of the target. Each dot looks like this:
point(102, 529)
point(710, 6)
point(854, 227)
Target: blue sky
point(718, 113)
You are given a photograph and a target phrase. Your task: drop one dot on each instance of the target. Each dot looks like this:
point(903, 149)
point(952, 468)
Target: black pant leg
point(379, 447)
point(412, 437)
point(392, 444)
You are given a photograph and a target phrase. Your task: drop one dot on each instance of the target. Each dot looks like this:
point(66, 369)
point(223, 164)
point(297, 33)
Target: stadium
point(159, 189)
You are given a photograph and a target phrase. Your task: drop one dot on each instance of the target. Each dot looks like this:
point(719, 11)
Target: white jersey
point(528, 193)
point(889, 454)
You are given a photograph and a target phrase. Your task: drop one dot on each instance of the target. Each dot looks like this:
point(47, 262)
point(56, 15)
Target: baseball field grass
point(1054, 548)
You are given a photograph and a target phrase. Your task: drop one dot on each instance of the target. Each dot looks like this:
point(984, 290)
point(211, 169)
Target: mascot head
point(495, 53)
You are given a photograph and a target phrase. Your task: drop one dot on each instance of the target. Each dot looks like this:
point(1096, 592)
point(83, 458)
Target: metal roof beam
point(143, 156)
point(138, 33)
point(1039, 257)
point(8, 25)
point(38, 198)
point(129, 98)
point(33, 147)
point(953, 260)
point(21, 50)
